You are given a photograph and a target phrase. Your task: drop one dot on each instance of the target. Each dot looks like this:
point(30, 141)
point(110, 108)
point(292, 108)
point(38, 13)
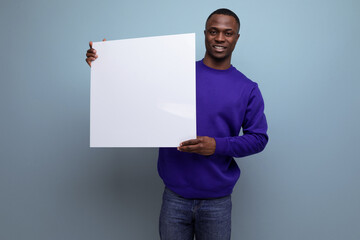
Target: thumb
point(90, 44)
point(104, 39)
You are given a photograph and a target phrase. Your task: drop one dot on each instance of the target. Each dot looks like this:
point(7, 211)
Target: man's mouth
point(219, 48)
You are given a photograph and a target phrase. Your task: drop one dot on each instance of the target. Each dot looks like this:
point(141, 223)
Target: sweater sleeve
point(254, 128)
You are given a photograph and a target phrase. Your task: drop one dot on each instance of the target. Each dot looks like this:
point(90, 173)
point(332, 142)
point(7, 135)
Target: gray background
point(303, 54)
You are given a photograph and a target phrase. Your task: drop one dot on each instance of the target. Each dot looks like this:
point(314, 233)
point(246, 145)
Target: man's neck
point(219, 64)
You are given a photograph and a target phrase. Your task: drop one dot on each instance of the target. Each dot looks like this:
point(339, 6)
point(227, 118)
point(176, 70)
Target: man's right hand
point(91, 54)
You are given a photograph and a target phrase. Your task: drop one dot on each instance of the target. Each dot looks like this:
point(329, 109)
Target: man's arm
point(253, 141)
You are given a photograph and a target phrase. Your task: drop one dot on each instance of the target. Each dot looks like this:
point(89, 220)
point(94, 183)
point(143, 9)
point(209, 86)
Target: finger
point(91, 50)
point(90, 44)
point(88, 61)
point(91, 59)
point(190, 142)
point(104, 39)
point(191, 148)
point(91, 55)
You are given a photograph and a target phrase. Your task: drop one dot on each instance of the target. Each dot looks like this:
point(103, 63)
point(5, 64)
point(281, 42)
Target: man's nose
point(220, 37)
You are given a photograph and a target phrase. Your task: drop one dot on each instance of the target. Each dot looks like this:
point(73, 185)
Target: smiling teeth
point(219, 47)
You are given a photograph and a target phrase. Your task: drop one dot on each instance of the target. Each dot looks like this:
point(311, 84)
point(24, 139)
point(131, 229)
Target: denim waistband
point(169, 191)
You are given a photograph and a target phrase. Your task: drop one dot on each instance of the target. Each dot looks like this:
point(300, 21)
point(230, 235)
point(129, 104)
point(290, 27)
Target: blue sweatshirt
point(226, 101)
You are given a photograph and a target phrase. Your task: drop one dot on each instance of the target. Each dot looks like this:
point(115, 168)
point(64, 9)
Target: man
point(200, 174)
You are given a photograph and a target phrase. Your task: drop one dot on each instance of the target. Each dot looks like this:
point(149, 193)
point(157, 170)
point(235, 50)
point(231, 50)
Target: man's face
point(221, 35)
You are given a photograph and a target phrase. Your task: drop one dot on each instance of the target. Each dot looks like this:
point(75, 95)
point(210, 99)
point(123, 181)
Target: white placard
point(143, 92)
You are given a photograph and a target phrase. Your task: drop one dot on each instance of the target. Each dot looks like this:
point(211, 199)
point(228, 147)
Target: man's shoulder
point(233, 74)
point(239, 76)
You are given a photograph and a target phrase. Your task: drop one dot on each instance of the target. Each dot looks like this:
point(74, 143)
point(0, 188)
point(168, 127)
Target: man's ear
point(238, 36)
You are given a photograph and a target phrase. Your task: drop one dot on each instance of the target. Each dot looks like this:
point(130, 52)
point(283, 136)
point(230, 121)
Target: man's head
point(221, 34)
point(225, 11)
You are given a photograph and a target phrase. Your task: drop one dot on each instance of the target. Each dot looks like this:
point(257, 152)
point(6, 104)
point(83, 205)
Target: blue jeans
point(206, 219)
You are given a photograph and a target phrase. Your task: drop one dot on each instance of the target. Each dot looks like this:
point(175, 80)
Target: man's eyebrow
point(227, 29)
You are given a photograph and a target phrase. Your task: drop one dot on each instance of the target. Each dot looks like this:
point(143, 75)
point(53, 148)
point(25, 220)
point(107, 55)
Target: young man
point(200, 174)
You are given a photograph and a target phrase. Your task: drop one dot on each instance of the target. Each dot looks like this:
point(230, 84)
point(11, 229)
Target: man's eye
point(212, 32)
point(228, 34)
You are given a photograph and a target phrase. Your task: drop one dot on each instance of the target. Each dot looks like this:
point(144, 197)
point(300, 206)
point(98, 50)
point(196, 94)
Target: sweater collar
point(231, 68)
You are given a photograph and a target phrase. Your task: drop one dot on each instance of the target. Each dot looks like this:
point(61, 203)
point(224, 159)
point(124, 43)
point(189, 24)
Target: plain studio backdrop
point(303, 54)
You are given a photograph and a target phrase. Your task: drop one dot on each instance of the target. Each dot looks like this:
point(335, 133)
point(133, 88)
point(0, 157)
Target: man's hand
point(91, 54)
point(201, 145)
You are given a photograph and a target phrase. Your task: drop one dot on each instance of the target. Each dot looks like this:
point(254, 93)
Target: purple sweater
point(226, 101)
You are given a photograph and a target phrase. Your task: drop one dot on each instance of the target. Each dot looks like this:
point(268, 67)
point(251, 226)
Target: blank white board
point(143, 92)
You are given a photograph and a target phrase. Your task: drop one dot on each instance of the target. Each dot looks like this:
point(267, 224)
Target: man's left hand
point(201, 145)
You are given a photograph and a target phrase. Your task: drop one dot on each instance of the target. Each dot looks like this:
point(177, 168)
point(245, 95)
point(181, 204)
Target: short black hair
point(224, 11)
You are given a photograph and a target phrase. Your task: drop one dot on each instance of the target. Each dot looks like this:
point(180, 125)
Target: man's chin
point(219, 57)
